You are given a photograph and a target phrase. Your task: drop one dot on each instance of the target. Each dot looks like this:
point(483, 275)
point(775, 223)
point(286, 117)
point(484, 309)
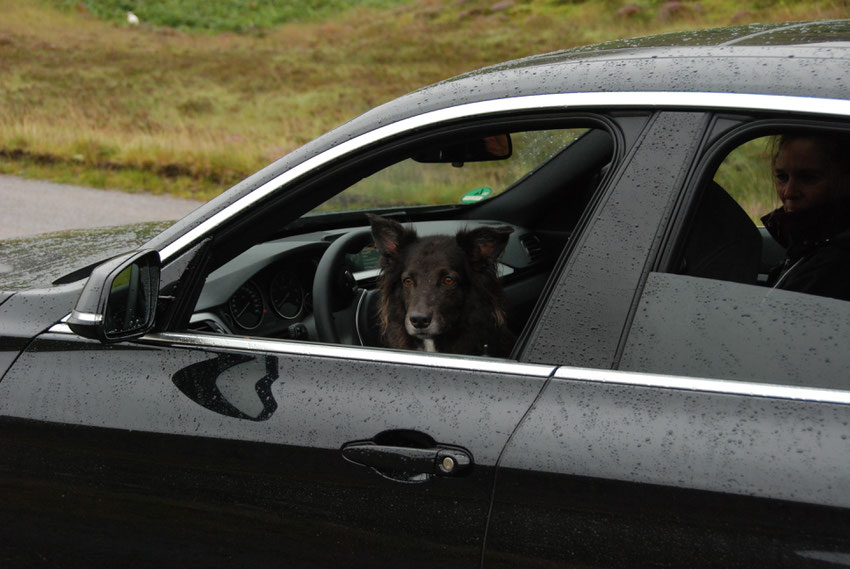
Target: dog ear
point(483, 246)
point(389, 236)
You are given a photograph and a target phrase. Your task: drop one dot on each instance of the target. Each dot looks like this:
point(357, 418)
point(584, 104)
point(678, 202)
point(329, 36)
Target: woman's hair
point(834, 145)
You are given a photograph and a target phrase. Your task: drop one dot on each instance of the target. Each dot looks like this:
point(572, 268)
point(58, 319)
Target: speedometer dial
point(287, 295)
point(246, 306)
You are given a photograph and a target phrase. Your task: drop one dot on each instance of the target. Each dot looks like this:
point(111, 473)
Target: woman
point(812, 178)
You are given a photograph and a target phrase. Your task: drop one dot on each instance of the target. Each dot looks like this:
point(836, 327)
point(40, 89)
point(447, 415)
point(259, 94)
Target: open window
point(267, 277)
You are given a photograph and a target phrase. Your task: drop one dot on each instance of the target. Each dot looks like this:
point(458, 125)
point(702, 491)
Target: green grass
point(747, 176)
point(87, 98)
point(221, 15)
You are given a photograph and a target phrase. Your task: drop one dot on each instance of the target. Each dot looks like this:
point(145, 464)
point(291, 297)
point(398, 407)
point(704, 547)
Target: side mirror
point(119, 300)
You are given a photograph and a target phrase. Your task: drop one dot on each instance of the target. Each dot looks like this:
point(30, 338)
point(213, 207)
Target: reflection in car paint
point(842, 559)
point(232, 384)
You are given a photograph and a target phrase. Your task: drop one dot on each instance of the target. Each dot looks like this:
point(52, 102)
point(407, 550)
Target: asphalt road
point(28, 207)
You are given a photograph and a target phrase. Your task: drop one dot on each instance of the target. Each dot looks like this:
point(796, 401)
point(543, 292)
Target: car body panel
point(585, 329)
point(26, 314)
point(38, 261)
point(264, 432)
point(670, 475)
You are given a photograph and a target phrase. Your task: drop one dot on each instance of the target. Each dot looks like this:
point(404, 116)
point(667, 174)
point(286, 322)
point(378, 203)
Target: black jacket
point(817, 244)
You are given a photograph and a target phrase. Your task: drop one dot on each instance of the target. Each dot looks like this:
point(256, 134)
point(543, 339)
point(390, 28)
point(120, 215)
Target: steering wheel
point(344, 312)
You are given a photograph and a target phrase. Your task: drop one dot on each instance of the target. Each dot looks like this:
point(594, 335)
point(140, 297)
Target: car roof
point(802, 59)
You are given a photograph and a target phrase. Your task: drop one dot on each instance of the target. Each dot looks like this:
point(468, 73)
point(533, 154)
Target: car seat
point(724, 243)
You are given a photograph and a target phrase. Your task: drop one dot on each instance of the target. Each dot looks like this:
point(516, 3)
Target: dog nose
point(420, 320)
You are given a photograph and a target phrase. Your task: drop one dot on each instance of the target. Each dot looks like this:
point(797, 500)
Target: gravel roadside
point(28, 207)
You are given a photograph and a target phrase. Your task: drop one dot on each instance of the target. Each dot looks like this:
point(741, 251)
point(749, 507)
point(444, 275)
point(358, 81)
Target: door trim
point(729, 387)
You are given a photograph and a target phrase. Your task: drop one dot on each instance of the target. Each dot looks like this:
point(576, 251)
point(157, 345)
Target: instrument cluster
point(274, 299)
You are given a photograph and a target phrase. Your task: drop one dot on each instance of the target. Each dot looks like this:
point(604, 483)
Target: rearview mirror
point(497, 147)
point(119, 300)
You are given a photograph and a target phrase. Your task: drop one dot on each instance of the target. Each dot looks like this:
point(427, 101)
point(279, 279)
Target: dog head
point(430, 285)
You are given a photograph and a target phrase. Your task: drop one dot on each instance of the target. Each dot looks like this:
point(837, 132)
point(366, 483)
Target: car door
point(619, 469)
point(722, 437)
point(196, 449)
point(202, 451)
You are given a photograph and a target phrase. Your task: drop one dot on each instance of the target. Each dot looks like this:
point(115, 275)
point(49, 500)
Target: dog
point(441, 293)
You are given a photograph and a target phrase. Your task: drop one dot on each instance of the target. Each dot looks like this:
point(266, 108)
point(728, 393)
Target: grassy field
point(223, 15)
point(200, 94)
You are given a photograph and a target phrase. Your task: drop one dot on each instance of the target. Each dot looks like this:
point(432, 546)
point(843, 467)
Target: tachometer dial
point(287, 295)
point(246, 306)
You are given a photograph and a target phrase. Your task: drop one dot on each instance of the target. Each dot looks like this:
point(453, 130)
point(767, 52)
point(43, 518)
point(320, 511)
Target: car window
point(509, 198)
point(708, 328)
point(416, 182)
point(746, 301)
point(745, 174)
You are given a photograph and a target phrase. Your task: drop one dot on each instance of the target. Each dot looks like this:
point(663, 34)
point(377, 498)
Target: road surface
point(28, 207)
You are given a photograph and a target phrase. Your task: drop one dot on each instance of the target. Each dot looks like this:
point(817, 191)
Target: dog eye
point(448, 281)
point(407, 281)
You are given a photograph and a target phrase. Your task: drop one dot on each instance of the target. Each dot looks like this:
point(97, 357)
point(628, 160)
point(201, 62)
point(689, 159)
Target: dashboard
point(266, 291)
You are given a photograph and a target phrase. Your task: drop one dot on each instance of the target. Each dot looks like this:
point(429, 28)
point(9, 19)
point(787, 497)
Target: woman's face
point(804, 175)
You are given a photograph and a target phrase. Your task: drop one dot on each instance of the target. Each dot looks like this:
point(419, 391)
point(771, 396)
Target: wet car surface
point(217, 394)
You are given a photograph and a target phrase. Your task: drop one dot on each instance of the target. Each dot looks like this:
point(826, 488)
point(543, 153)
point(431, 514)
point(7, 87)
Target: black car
point(217, 394)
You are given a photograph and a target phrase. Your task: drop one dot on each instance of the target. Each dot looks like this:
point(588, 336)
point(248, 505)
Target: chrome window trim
point(377, 355)
point(719, 386)
point(612, 377)
point(572, 101)
point(209, 316)
point(86, 317)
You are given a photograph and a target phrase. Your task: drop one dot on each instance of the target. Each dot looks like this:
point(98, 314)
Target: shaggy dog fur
point(441, 293)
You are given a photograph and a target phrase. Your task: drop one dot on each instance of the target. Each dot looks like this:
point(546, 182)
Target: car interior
point(727, 240)
point(724, 243)
point(314, 277)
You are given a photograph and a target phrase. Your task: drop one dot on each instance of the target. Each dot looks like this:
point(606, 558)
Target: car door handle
point(407, 462)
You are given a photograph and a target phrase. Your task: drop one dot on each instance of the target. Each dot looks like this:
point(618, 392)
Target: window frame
point(388, 153)
point(725, 134)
